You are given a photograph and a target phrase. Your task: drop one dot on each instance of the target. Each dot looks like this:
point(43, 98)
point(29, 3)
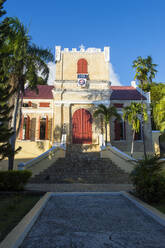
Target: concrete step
point(67, 170)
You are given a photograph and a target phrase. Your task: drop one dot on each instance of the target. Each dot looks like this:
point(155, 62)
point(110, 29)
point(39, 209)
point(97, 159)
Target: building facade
point(82, 82)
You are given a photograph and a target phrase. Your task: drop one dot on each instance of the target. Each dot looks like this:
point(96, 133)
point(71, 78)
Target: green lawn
point(160, 206)
point(12, 209)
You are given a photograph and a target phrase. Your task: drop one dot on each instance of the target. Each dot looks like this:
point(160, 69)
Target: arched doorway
point(82, 127)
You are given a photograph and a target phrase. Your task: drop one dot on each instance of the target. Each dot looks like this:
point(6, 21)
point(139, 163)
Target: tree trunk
point(142, 122)
point(143, 136)
point(132, 146)
point(13, 137)
point(105, 133)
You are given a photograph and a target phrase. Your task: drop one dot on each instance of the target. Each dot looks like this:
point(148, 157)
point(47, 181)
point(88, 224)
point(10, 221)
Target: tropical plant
point(5, 93)
point(132, 114)
point(157, 105)
point(22, 65)
point(14, 180)
point(145, 72)
point(148, 180)
point(107, 113)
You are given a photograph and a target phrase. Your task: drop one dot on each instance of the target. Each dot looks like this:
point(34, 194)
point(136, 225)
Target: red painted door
point(82, 127)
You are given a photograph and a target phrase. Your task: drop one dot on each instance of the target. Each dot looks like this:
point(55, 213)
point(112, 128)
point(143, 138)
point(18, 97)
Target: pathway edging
point(15, 238)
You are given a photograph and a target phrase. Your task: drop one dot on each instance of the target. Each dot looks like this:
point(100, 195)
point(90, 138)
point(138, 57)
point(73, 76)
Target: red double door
point(82, 127)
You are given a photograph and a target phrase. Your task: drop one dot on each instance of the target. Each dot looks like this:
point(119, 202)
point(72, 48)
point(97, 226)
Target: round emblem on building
point(82, 82)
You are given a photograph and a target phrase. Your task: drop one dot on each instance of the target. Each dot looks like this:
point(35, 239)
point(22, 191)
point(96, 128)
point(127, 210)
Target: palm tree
point(22, 65)
point(145, 72)
point(132, 114)
point(106, 113)
point(159, 113)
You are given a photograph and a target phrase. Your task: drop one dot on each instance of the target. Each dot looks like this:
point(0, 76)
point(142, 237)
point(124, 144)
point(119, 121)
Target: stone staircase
point(81, 166)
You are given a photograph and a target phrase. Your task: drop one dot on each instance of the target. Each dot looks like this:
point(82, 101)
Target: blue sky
point(131, 28)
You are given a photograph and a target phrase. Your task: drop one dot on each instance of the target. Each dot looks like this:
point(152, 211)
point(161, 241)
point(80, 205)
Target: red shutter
point(117, 130)
point(82, 66)
point(27, 136)
point(29, 104)
point(39, 127)
point(124, 130)
point(118, 105)
point(21, 128)
point(46, 131)
point(44, 104)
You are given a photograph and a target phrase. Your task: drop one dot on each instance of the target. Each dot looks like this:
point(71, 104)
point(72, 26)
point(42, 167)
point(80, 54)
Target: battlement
point(90, 50)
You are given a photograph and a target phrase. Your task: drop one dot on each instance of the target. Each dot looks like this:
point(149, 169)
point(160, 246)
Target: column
point(66, 120)
point(57, 123)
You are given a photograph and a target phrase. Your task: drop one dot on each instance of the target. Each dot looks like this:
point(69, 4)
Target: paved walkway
point(79, 187)
point(93, 220)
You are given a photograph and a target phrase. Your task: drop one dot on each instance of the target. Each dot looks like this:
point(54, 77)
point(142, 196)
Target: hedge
point(13, 180)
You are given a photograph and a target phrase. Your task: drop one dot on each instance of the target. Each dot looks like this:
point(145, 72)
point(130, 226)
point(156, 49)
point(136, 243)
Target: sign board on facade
point(82, 76)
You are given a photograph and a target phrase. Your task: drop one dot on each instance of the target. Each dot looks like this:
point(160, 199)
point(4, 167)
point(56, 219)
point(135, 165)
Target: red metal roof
point(125, 93)
point(44, 92)
point(118, 93)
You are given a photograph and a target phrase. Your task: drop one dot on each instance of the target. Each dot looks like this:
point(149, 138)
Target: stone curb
point(149, 210)
point(17, 235)
point(78, 187)
point(15, 238)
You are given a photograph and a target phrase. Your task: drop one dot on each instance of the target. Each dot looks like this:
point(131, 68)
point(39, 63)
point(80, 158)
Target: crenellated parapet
point(96, 61)
point(90, 50)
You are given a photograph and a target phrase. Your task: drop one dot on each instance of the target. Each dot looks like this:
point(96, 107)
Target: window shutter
point(27, 128)
point(46, 131)
point(29, 104)
point(39, 127)
point(82, 66)
point(21, 128)
point(117, 130)
point(124, 130)
point(136, 136)
point(44, 104)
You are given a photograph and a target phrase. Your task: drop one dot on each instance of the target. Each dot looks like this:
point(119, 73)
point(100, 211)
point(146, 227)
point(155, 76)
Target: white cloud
point(52, 70)
point(114, 78)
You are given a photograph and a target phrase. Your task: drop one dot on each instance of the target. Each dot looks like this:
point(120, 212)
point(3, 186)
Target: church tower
point(81, 84)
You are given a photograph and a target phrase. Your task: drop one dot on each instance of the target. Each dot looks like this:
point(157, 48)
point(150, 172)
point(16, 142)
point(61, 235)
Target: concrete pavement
point(94, 220)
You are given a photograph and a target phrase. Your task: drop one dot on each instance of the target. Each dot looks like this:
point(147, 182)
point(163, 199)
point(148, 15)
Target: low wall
point(139, 155)
point(32, 149)
point(121, 159)
point(43, 161)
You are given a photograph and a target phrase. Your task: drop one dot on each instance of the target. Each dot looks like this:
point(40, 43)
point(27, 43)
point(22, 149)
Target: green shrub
point(148, 180)
point(13, 180)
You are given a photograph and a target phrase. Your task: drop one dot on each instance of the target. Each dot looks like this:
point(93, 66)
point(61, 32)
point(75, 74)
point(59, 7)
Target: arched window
point(82, 66)
point(43, 128)
point(25, 128)
point(120, 130)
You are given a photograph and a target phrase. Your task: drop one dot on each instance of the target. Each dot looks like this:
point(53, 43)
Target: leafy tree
point(157, 105)
point(148, 179)
point(132, 114)
point(159, 112)
point(5, 93)
point(2, 11)
point(21, 67)
point(145, 72)
point(107, 113)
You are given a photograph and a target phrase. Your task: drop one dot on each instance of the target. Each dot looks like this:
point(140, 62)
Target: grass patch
point(160, 206)
point(13, 207)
